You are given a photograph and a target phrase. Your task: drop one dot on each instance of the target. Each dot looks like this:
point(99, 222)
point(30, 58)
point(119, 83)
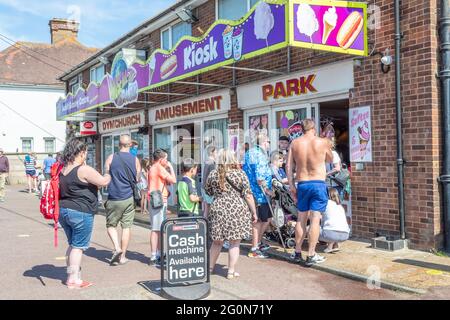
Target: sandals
point(115, 258)
point(232, 275)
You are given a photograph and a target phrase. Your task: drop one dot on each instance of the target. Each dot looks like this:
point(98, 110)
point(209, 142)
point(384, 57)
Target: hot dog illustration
point(169, 67)
point(350, 30)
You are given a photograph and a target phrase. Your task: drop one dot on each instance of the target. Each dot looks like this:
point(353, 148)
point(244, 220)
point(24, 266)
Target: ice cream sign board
point(360, 135)
point(337, 26)
point(270, 25)
point(261, 30)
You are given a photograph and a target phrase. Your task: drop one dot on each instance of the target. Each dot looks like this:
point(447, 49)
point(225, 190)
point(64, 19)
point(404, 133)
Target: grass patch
point(440, 253)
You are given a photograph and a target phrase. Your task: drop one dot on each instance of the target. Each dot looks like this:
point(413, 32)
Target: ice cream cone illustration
point(329, 23)
point(228, 42)
point(364, 138)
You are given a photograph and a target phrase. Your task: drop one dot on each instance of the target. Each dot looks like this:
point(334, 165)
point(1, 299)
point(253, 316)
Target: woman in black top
point(78, 204)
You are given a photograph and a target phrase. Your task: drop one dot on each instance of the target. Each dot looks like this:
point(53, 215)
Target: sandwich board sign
point(185, 268)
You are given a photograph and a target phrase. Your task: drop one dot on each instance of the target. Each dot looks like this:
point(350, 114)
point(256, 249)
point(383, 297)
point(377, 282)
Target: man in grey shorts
point(120, 207)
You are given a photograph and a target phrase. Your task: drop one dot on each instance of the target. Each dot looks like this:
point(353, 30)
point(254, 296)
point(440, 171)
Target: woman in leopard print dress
point(230, 216)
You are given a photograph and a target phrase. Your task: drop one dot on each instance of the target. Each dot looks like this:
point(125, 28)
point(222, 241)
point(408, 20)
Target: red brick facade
point(375, 206)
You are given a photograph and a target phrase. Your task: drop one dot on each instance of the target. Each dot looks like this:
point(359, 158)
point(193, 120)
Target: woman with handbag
point(233, 210)
point(160, 175)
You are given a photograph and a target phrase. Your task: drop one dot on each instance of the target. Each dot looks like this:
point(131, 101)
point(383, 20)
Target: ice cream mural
point(264, 22)
point(329, 23)
point(151, 67)
point(261, 30)
point(360, 135)
point(228, 42)
point(238, 37)
point(122, 84)
point(339, 27)
point(364, 136)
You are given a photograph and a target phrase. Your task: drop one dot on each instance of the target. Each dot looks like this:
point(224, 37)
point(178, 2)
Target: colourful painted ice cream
point(228, 42)
point(238, 36)
point(329, 23)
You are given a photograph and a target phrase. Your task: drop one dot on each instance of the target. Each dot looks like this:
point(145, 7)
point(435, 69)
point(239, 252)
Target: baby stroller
point(284, 213)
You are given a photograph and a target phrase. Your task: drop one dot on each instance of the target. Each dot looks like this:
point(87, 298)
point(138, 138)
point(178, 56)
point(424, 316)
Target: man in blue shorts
point(307, 155)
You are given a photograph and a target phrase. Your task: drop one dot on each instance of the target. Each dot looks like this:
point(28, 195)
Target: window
point(27, 145)
point(97, 74)
point(171, 35)
point(75, 84)
point(49, 145)
point(233, 9)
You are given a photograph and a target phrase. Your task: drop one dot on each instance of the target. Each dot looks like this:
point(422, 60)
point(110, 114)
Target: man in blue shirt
point(48, 163)
point(257, 168)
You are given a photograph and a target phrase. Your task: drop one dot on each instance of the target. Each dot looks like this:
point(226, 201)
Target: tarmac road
point(32, 268)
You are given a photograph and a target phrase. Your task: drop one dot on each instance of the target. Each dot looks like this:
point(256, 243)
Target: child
point(334, 227)
point(277, 168)
point(143, 184)
point(188, 199)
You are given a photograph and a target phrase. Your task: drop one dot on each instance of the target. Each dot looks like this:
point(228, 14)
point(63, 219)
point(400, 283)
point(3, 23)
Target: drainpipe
point(398, 103)
point(444, 75)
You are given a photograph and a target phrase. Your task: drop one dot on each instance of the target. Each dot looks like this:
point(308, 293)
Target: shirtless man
point(309, 153)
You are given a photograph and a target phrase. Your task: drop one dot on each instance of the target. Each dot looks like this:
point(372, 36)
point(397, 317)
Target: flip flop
point(115, 258)
point(124, 262)
point(82, 285)
point(232, 275)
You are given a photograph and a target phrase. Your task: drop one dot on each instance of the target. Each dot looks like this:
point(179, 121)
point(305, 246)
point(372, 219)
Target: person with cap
point(4, 172)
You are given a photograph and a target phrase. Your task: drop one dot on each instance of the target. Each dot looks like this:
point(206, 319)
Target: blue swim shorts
point(312, 196)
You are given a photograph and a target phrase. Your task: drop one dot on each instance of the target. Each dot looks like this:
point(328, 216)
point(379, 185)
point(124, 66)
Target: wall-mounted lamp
point(385, 61)
point(186, 15)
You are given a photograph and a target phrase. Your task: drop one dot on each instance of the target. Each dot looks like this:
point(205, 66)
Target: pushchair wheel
point(290, 243)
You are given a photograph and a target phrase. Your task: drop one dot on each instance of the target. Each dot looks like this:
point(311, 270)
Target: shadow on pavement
point(151, 286)
point(424, 264)
point(47, 271)
point(105, 255)
point(220, 270)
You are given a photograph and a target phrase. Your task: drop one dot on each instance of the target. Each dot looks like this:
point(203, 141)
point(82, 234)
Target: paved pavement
point(32, 268)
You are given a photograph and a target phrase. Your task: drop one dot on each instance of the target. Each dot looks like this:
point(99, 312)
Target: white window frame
point(54, 144)
point(78, 80)
point(95, 72)
point(217, 8)
point(22, 139)
point(169, 28)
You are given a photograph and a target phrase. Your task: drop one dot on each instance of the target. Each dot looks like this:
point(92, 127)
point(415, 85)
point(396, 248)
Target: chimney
point(61, 29)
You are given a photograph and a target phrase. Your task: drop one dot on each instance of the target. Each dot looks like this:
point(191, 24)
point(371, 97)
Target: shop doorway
point(188, 138)
point(335, 114)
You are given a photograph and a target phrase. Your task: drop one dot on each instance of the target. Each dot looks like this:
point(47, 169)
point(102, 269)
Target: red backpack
point(50, 199)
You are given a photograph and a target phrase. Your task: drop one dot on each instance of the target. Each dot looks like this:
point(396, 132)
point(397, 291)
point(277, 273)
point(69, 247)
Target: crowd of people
point(235, 197)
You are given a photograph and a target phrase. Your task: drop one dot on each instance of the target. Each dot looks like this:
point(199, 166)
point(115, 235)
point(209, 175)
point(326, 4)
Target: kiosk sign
point(186, 253)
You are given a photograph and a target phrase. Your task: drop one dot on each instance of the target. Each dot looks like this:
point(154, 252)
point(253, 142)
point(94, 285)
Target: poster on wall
point(337, 26)
point(360, 135)
point(258, 124)
point(233, 137)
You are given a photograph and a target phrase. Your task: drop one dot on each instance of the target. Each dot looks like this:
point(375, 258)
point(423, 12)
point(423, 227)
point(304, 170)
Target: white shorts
point(157, 216)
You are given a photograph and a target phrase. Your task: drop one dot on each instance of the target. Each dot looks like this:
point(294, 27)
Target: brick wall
point(375, 208)
point(375, 188)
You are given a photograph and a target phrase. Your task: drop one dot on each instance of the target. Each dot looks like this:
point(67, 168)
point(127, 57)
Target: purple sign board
point(262, 30)
point(339, 26)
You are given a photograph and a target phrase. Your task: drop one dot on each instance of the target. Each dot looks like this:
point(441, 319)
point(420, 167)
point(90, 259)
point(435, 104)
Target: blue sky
point(102, 21)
